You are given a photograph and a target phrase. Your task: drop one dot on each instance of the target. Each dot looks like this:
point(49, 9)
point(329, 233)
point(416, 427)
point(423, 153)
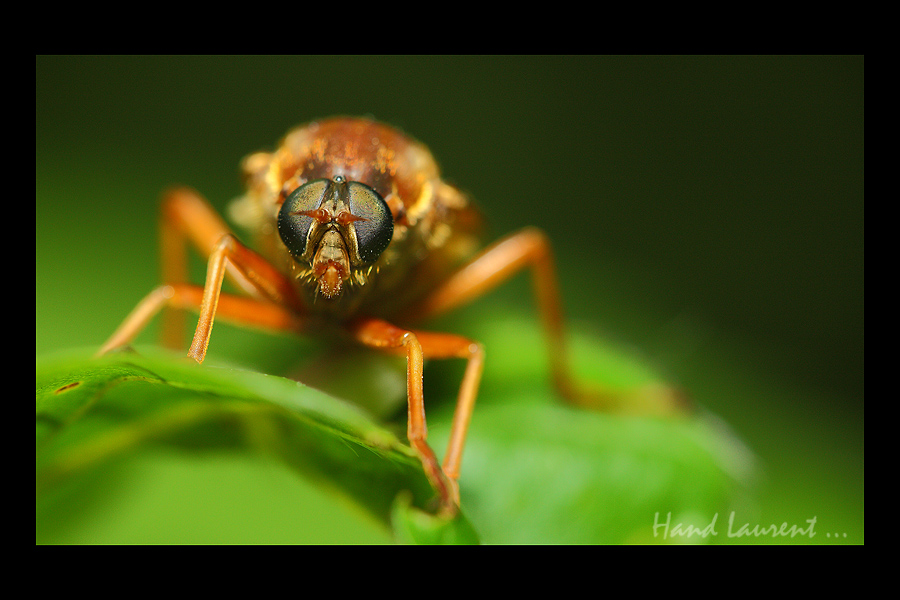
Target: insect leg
point(237, 309)
point(269, 284)
point(448, 345)
point(379, 334)
point(529, 248)
point(188, 217)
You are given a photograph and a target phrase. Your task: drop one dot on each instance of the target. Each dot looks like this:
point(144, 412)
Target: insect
point(357, 234)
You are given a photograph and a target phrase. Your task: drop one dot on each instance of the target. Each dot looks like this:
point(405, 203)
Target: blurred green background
point(707, 211)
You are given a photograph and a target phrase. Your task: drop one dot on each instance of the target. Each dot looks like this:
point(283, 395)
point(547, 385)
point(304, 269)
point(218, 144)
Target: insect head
point(335, 226)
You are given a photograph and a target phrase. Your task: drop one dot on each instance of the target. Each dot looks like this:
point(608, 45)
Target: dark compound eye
point(375, 226)
point(325, 201)
point(294, 227)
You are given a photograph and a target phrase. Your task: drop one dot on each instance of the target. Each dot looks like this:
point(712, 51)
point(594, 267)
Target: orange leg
point(186, 216)
point(419, 345)
point(183, 296)
point(248, 267)
point(528, 248)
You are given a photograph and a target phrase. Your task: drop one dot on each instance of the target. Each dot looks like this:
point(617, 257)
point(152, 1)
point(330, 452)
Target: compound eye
point(375, 226)
point(294, 227)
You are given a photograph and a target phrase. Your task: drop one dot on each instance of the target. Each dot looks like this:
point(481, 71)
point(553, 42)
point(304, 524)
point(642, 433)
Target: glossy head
point(335, 226)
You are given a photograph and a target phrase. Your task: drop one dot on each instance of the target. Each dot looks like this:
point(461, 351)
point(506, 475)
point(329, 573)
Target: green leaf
point(535, 470)
point(538, 474)
point(90, 411)
point(415, 526)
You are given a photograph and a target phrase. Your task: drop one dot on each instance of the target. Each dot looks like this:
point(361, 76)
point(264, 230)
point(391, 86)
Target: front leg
point(419, 345)
point(528, 248)
point(188, 218)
